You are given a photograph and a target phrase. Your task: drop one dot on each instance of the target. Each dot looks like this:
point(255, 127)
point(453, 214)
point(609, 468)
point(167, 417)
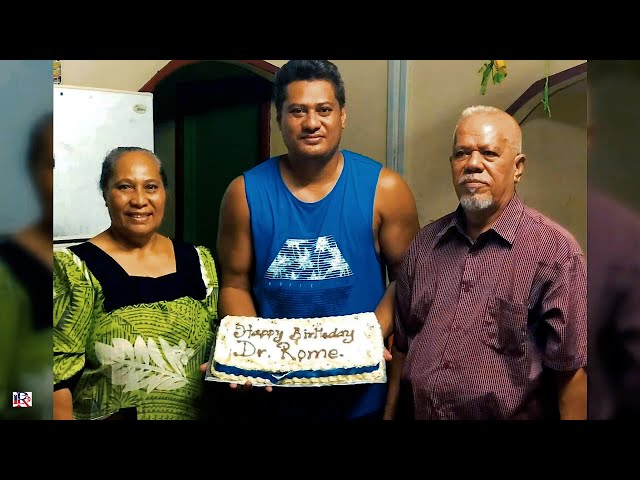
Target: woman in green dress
point(134, 311)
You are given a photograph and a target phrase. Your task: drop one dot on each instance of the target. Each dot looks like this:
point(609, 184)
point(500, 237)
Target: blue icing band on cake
point(274, 377)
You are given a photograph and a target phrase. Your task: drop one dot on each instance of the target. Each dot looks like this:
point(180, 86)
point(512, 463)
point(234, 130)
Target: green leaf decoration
point(491, 71)
point(545, 97)
point(145, 365)
point(488, 69)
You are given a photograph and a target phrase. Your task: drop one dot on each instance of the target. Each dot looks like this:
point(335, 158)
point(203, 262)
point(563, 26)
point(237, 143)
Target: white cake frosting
point(300, 351)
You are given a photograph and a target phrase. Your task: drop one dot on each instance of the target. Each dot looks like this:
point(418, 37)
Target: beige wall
point(365, 83)
point(128, 75)
point(438, 91)
point(555, 178)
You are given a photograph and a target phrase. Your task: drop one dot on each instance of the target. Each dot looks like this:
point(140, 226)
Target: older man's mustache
point(470, 178)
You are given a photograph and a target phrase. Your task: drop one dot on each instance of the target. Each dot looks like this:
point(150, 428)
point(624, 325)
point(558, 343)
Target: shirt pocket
point(504, 326)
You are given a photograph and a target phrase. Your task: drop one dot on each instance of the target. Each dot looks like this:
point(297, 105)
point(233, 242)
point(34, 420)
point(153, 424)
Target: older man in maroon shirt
point(491, 299)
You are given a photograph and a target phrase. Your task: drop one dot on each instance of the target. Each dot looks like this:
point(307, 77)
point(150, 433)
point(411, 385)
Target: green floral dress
point(133, 344)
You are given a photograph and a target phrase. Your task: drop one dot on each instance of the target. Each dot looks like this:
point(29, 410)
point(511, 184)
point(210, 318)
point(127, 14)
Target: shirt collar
point(506, 225)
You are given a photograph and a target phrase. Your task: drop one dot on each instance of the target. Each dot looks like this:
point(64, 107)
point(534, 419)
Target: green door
point(223, 136)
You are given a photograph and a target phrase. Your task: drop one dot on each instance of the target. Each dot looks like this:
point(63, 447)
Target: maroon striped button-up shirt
point(484, 324)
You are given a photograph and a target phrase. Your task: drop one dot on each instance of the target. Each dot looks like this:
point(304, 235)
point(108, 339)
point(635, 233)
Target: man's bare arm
point(235, 253)
point(399, 224)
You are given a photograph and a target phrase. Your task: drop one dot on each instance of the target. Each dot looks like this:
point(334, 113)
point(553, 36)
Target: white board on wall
point(88, 123)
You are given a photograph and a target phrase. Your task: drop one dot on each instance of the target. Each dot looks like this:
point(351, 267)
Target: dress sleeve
point(73, 301)
point(210, 277)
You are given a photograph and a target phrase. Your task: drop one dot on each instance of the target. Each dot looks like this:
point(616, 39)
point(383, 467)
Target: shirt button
point(446, 365)
point(466, 286)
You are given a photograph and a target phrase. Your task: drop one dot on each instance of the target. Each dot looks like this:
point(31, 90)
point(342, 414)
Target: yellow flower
point(501, 66)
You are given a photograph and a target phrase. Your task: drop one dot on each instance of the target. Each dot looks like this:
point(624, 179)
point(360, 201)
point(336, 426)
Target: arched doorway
point(556, 148)
point(212, 123)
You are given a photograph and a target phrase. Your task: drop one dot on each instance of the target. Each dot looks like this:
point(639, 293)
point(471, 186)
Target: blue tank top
point(315, 260)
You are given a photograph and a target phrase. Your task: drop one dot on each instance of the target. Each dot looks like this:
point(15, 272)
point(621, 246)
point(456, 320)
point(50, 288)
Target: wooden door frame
point(530, 99)
point(259, 67)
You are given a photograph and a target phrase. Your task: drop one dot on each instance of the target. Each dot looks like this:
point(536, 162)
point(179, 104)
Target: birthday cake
point(299, 352)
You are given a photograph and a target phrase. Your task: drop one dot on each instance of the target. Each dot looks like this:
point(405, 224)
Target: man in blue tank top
point(310, 234)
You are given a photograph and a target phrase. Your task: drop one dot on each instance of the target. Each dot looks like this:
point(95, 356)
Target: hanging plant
point(545, 92)
point(494, 69)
